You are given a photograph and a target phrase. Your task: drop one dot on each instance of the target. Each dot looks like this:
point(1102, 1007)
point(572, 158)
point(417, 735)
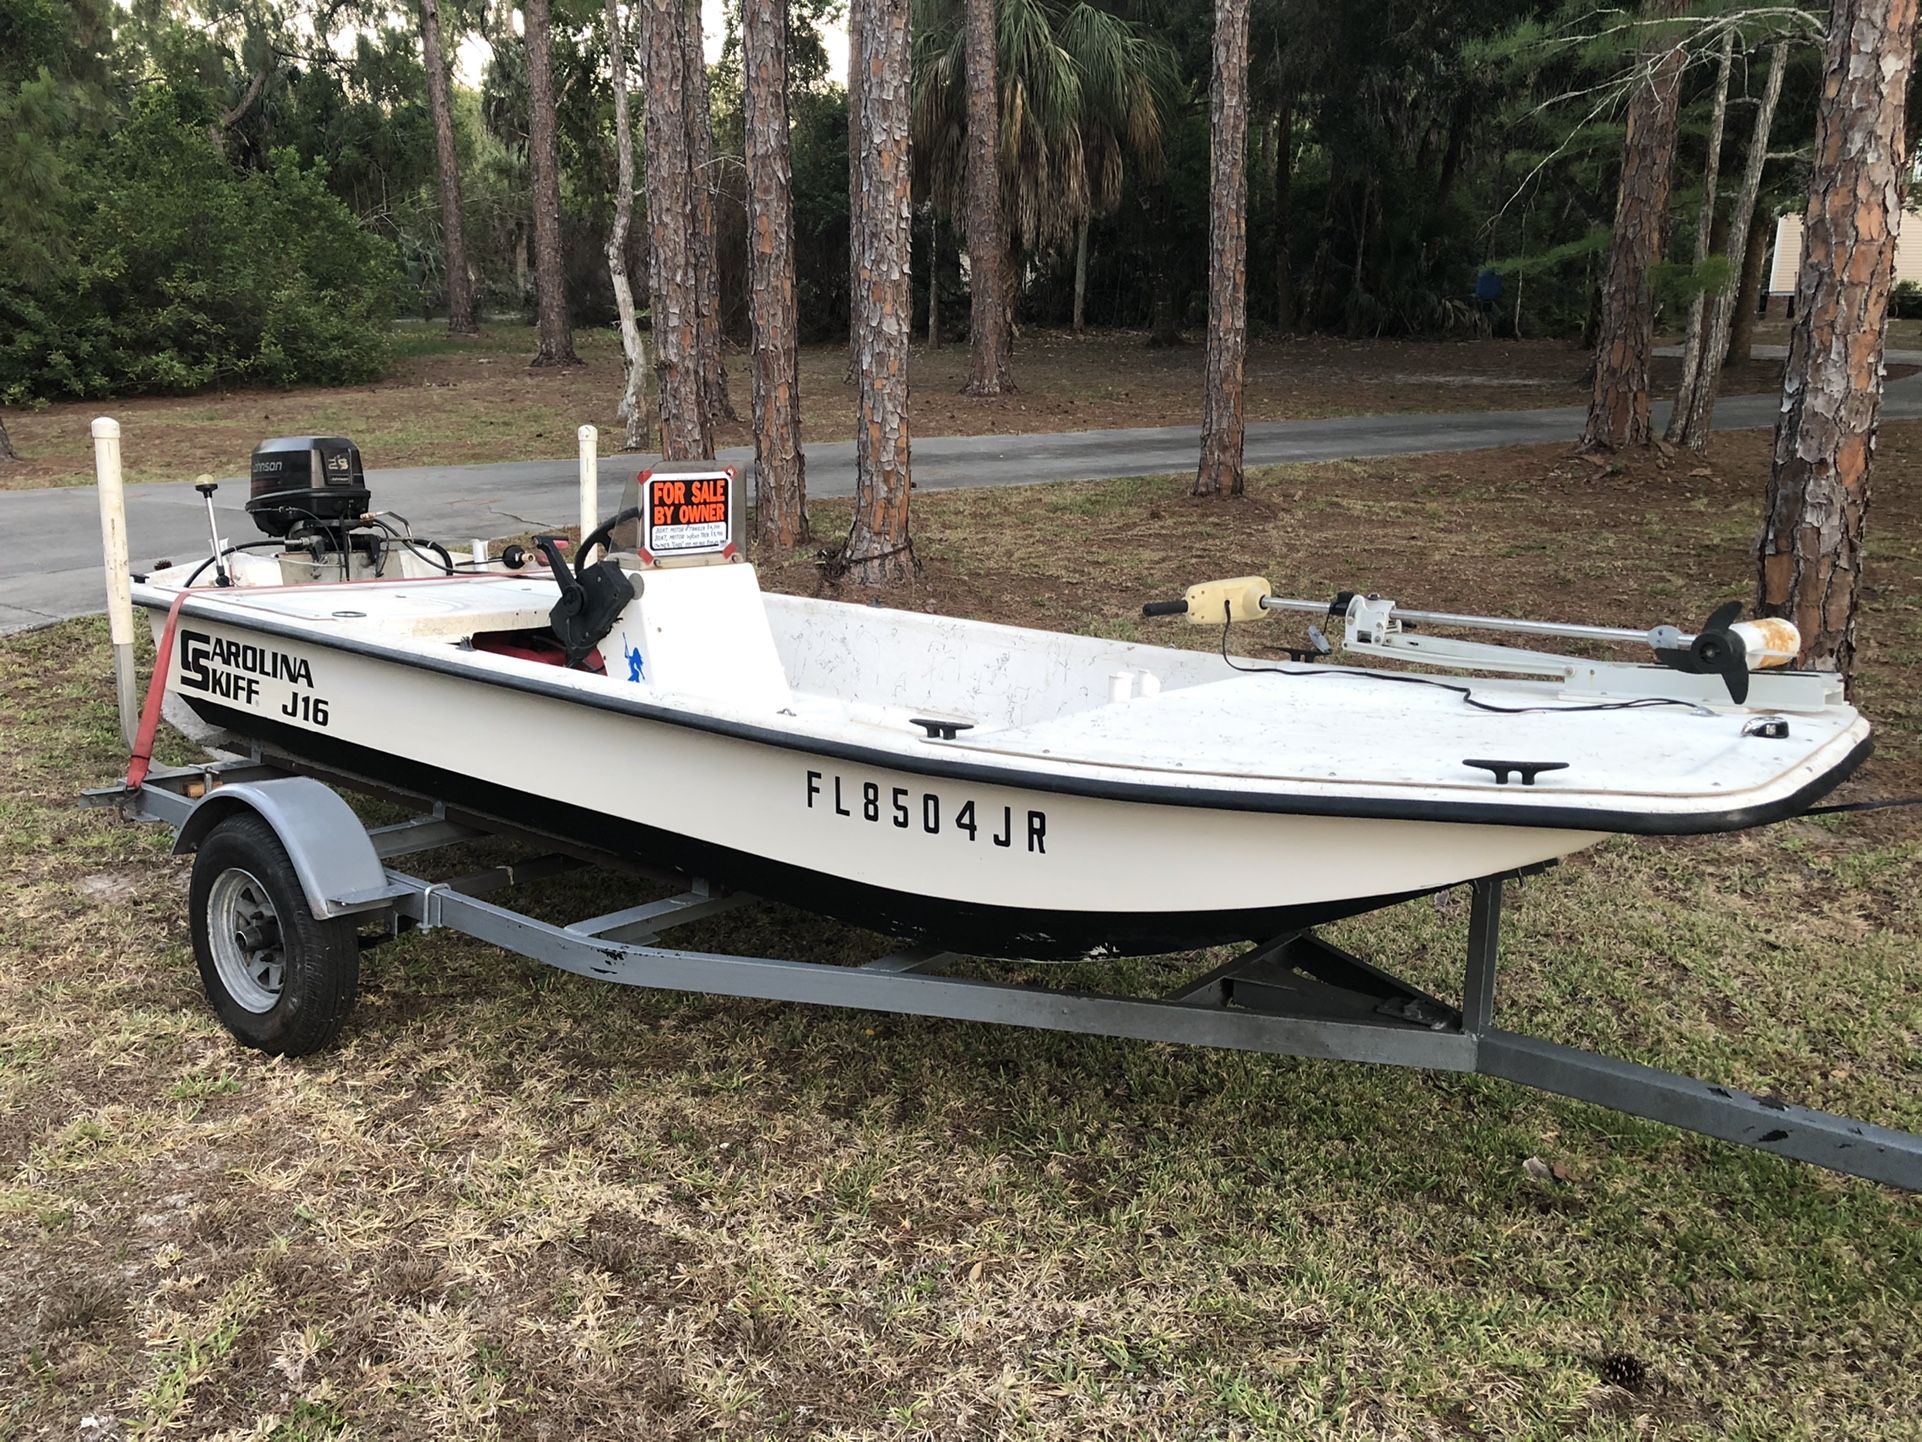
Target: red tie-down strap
point(142, 759)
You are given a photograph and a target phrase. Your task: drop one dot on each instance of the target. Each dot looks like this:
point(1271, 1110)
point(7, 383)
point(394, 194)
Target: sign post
point(113, 550)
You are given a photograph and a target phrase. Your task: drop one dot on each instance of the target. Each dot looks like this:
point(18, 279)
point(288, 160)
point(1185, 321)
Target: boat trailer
point(1294, 995)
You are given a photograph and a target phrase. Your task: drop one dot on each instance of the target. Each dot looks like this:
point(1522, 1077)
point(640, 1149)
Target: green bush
point(182, 270)
point(1905, 301)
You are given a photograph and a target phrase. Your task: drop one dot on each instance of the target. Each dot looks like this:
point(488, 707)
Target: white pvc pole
point(113, 550)
point(590, 483)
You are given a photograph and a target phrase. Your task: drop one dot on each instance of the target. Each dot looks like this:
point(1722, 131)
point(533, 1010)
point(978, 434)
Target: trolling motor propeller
point(1718, 649)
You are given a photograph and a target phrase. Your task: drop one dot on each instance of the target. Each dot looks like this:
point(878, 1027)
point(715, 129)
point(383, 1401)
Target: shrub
point(181, 270)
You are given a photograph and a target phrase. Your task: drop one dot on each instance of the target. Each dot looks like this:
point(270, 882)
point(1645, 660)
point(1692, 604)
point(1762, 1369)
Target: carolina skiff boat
point(1006, 792)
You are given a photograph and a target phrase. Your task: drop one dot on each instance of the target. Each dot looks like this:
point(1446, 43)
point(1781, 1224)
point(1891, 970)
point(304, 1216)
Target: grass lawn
point(518, 1204)
point(454, 401)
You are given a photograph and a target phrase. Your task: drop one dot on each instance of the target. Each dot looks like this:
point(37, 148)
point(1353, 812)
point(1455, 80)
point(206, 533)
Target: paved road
point(51, 567)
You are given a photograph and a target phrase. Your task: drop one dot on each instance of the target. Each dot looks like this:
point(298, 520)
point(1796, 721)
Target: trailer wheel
point(280, 978)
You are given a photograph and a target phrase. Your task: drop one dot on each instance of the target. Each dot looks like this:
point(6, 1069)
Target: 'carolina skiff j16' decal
point(233, 671)
point(910, 810)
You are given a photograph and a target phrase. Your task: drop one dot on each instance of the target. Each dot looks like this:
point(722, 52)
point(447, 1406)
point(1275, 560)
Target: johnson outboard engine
point(307, 484)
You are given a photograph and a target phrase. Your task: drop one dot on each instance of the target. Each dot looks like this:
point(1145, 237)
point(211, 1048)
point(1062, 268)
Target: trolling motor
point(1725, 647)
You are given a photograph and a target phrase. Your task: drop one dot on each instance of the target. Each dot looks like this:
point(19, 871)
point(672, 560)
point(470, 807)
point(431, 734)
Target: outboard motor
point(307, 483)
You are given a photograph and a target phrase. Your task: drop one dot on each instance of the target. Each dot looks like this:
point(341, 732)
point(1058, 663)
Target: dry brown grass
point(516, 1204)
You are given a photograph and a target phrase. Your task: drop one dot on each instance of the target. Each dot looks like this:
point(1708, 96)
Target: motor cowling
point(306, 483)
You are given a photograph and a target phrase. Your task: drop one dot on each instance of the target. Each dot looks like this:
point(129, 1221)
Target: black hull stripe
point(1477, 813)
point(968, 927)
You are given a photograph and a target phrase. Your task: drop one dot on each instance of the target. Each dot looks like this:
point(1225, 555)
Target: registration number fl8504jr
point(907, 808)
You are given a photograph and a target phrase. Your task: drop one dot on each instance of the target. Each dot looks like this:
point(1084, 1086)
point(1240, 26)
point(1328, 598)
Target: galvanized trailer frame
point(1294, 995)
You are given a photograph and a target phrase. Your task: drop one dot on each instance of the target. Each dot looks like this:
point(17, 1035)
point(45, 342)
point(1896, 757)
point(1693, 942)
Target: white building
point(1785, 263)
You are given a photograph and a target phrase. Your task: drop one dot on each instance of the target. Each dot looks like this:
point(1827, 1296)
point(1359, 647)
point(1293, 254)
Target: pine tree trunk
point(1695, 406)
point(460, 285)
point(633, 410)
point(1317, 290)
point(878, 547)
point(1810, 558)
point(780, 475)
point(1618, 414)
point(1081, 276)
point(987, 233)
point(1284, 157)
point(698, 107)
point(934, 279)
point(1221, 416)
point(1356, 323)
point(1748, 296)
point(1695, 336)
point(556, 346)
point(7, 452)
point(1460, 119)
point(857, 226)
point(670, 209)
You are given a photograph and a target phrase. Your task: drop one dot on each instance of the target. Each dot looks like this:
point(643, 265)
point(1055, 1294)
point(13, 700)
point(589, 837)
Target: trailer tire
point(281, 979)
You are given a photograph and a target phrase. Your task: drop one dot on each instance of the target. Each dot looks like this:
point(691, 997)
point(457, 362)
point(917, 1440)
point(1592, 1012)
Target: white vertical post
point(590, 484)
point(113, 553)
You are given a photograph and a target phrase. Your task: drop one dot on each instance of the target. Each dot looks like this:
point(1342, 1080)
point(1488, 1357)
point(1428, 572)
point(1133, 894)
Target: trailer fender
point(339, 870)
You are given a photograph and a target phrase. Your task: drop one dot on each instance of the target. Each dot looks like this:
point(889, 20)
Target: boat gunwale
point(1474, 812)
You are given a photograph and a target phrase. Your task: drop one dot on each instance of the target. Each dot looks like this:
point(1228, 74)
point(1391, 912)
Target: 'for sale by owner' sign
point(688, 513)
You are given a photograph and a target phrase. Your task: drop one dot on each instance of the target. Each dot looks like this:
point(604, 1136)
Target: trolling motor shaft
point(1724, 646)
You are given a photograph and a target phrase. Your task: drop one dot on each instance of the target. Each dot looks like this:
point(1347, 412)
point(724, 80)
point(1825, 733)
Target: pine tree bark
point(1618, 415)
point(556, 335)
point(460, 285)
point(1695, 334)
point(1695, 405)
point(878, 547)
point(7, 452)
point(699, 109)
point(1221, 416)
point(1286, 313)
point(670, 202)
point(1748, 296)
point(857, 71)
point(934, 279)
point(1810, 558)
point(780, 476)
point(987, 229)
point(633, 408)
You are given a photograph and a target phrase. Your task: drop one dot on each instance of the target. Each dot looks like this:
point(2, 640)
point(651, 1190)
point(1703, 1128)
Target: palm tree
point(544, 158)
point(1084, 94)
point(780, 474)
point(878, 547)
point(460, 285)
point(1221, 416)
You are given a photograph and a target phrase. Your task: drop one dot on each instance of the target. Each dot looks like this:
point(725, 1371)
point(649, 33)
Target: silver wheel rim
point(243, 932)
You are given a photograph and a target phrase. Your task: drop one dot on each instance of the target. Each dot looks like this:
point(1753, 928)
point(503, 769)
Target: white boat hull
point(980, 867)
